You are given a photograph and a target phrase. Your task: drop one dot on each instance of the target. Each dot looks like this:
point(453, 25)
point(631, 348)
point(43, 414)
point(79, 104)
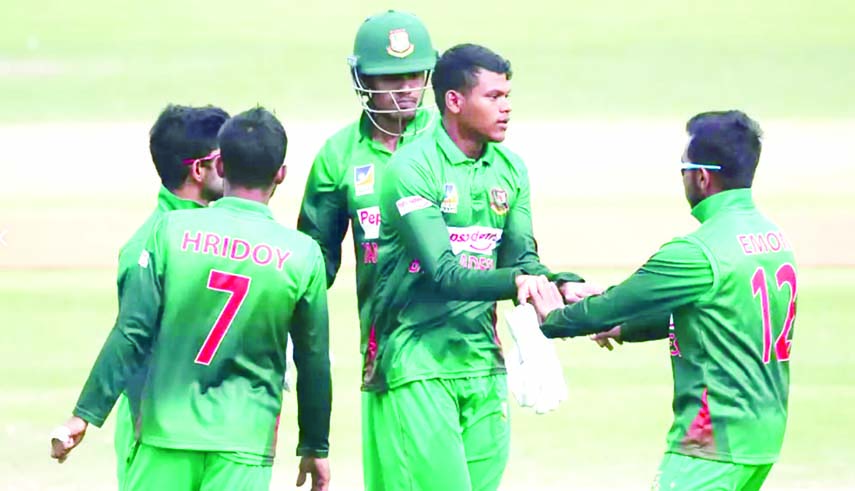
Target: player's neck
point(191, 193)
point(471, 144)
point(252, 194)
point(394, 126)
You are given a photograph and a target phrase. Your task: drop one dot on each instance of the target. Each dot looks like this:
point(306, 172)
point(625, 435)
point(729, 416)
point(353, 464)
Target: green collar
point(167, 201)
point(243, 205)
point(733, 199)
point(455, 155)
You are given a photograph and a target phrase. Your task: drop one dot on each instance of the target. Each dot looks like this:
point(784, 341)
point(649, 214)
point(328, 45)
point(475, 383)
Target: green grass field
point(601, 91)
point(609, 435)
point(95, 60)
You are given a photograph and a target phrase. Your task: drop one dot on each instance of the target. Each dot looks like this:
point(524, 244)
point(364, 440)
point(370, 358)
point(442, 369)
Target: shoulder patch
point(144, 259)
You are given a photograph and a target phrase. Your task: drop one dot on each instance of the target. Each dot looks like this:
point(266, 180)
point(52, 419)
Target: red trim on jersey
point(370, 356)
point(700, 432)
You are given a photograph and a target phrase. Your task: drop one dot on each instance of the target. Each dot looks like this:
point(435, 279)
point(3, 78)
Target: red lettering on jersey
point(234, 255)
point(225, 247)
point(774, 241)
point(197, 241)
point(211, 242)
point(415, 267)
point(746, 245)
point(281, 257)
point(369, 252)
point(758, 241)
point(256, 253)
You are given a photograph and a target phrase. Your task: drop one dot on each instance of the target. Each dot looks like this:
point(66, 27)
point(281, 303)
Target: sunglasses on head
point(693, 166)
point(215, 153)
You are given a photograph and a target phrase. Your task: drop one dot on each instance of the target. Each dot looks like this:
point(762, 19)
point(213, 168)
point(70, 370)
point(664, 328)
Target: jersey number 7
point(238, 286)
point(786, 275)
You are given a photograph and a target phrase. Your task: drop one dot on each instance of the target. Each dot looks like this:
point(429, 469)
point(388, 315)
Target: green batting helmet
point(392, 43)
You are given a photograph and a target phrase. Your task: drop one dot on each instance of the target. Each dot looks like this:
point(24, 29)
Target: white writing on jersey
point(480, 240)
point(369, 220)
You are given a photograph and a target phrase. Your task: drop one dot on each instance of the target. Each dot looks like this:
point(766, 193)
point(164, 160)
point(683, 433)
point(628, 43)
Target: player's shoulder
point(508, 157)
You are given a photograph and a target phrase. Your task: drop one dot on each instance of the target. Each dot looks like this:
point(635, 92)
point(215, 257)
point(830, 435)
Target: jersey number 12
point(786, 275)
point(237, 286)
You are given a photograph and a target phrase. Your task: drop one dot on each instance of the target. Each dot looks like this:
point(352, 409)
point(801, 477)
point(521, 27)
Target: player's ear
point(218, 166)
point(454, 101)
point(280, 175)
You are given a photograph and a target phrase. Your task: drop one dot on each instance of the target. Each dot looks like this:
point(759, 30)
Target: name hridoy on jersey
point(234, 248)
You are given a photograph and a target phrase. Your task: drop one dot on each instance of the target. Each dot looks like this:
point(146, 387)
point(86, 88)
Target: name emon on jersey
point(763, 243)
point(234, 248)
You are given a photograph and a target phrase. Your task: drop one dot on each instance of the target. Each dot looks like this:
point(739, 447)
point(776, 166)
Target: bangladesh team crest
point(363, 179)
point(450, 198)
point(499, 201)
point(399, 44)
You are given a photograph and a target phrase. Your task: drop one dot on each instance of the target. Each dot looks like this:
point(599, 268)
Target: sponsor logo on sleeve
point(450, 199)
point(369, 220)
point(478, 240)
point(363, 179)
point(143, 261)
point(411, 203)
point(499, 201)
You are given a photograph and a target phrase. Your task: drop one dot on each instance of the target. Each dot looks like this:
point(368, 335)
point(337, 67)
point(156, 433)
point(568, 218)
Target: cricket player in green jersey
point(456, 237)
point(212, 299)
point(181, 143)
point(731, 287)
point(390, 67)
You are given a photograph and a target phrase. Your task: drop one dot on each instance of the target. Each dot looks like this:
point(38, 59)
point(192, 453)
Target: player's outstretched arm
point(409, 204)
point(323, 212)
point(678, 274)
point(310, 334)
point(123, 353)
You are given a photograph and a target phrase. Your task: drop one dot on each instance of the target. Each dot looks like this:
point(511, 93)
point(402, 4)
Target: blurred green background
point(603, 88)
point(119, 60)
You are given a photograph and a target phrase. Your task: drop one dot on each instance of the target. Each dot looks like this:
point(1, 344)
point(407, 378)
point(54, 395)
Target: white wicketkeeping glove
point(535, 376)
point(290, 369)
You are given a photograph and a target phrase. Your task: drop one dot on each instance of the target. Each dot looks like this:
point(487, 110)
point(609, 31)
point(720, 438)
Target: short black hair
point(183, 132)
point(457, 69)
point(727, 138)
point(252, 146)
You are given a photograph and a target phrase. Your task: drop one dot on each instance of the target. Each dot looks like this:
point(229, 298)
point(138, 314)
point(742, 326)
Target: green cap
point(392, 43)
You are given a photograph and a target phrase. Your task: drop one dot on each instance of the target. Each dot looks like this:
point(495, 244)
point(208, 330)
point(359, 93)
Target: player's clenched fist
point(527, 285)
point(65, 437)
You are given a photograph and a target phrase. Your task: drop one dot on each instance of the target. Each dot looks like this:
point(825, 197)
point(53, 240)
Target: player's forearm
point(324, 220)
point(458, 283)
point(120, 357)
point(676, 275)
point(314, 402)
point(648, 328)
point(310, 334)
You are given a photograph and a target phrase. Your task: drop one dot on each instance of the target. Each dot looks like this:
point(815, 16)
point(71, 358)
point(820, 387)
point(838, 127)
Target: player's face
point(486, 108)
point(401, 94)
point(212, 183)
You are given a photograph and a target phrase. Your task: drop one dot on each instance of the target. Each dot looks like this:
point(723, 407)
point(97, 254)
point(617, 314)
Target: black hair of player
point(457, 69)
point(180, 133)
point(727, 138)
point(252, 146)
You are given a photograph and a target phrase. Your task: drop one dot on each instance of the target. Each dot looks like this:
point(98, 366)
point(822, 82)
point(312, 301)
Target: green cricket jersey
point(456, 233)
point(212, 299)
point(343, 186)
point(129, 254)
point(731, 287)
